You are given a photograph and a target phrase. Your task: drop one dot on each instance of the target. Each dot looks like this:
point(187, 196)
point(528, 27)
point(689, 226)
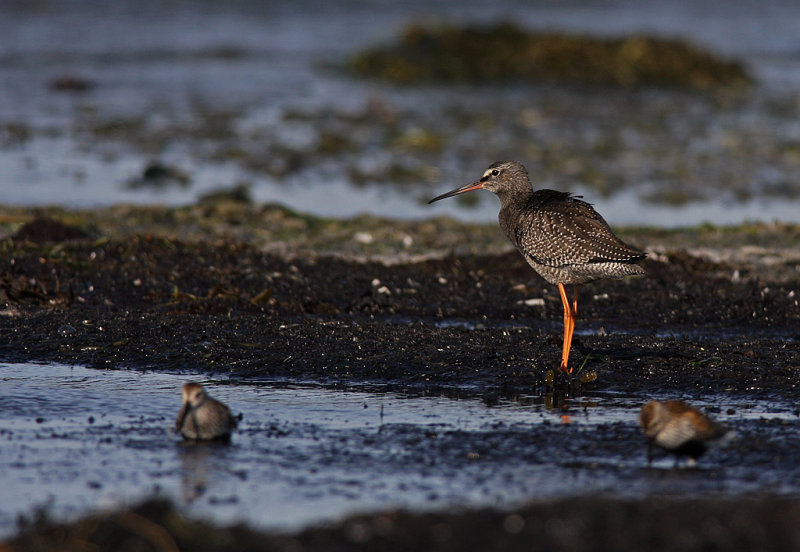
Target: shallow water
point(75, 439)
point(169, 69)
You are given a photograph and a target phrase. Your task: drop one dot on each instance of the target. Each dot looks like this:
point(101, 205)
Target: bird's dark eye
point(495, 172)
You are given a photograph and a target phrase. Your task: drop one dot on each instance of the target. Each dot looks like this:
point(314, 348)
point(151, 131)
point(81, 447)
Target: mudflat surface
point(418, 305)
point(431, 307)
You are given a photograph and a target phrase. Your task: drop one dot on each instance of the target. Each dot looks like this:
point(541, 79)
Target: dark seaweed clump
point(505, 52)
point(581, 523)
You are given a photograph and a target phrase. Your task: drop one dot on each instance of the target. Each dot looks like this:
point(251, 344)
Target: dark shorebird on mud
point(203, 418)
point(680, 429)
point(563, 238)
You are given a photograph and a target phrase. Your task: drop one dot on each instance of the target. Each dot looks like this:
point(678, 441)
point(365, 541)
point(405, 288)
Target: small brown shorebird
point(680, 429)
point(203, 418)
point(563, 238)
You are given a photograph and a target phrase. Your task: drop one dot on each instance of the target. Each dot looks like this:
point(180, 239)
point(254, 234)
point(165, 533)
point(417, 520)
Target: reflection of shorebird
point(563, 238)
point(197, 468)
point(201, 417)
point(680, 429)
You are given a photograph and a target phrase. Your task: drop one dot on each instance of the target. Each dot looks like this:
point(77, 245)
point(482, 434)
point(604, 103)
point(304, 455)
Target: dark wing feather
point(557, 229)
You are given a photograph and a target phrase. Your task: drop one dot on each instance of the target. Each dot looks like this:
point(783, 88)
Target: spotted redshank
point(562, 237)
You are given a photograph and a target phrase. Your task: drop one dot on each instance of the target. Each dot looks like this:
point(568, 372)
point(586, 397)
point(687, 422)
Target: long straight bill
point(461, 190)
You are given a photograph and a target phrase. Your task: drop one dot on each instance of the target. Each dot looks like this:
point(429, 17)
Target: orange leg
point(569, 325)
point(574, 301)
point(573, 318)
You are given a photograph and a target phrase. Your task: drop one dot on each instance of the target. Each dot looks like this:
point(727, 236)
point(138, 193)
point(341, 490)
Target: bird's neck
point(515, 198)
point(513, 203)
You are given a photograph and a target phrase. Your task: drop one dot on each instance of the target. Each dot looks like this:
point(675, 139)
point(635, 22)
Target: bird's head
point(502, 178)
point(653, 417)
point(193, 394)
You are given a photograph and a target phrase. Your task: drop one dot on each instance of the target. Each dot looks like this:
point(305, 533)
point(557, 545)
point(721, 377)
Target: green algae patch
point(222, 217)
point(505, 52)
point(769, 249)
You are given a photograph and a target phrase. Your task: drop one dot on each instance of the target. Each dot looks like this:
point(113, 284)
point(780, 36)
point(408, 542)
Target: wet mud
point(717, 318)
point(480, 320)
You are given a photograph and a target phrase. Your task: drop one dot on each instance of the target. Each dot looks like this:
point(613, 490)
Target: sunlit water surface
point(75, 440)
point(167, 66)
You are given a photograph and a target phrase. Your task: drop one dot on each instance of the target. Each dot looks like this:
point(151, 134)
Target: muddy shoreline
point(261, 292)
point(428, 316)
